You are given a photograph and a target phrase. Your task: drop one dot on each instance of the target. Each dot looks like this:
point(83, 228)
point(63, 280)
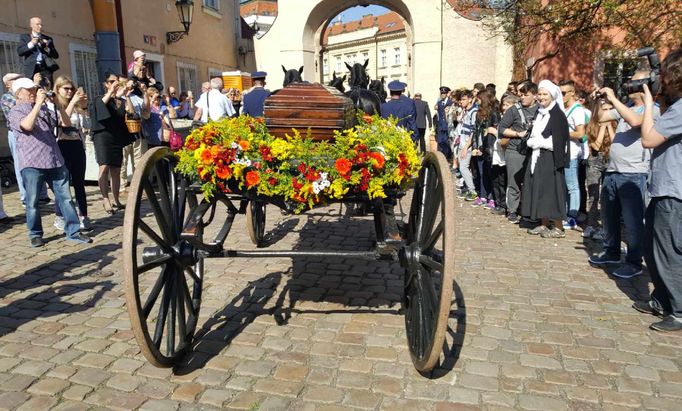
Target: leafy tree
point(591, 24)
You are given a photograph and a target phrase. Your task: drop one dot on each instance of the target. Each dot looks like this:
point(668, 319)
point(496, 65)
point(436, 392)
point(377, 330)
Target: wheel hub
point(184, 253)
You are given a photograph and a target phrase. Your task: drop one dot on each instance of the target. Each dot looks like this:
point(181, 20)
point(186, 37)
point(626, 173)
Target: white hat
point(10, 76)
point(22, 82)
point(138, 53)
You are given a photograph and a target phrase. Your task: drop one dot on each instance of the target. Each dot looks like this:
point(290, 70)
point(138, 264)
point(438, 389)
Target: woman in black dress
point(110, 135)
point(544, 187)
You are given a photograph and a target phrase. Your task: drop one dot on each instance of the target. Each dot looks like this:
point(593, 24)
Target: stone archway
point(445, 48)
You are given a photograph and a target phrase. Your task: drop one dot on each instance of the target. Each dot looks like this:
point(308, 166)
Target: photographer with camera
point(625, 180)
point(663, 229)
point(38, 52)
point(40, 159)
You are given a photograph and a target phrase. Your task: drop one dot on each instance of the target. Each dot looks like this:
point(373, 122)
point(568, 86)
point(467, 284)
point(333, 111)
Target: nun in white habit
point(544, 187)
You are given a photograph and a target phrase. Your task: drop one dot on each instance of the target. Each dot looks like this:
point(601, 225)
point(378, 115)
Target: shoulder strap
point(208, 107)
point(521, 114)
point(576, 105)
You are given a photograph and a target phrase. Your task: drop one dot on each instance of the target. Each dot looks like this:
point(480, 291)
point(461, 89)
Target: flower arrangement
point(238, 155)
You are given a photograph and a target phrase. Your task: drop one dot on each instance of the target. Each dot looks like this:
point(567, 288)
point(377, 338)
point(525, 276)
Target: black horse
point(363, 99)
point(378, 87)
point(337, 82)
point(292, 76)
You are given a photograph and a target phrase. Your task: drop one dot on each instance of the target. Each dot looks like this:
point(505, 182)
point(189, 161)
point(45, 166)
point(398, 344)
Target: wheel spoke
point(419, 212)
point(433, 238)
point(429, 262)
point(154, 236)
point(162, 314)
point(182, 320)
point(188, 298)
point(432, 206)
point(153, 264)
point(164, 192)
point(189, 270)
point(158, 212)
point(170, 337)
point(154, 293)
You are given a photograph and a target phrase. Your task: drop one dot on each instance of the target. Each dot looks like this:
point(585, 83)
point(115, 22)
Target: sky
point(356, 13)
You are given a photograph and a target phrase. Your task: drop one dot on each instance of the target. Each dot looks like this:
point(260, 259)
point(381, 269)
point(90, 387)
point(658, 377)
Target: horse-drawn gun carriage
point(239, 165)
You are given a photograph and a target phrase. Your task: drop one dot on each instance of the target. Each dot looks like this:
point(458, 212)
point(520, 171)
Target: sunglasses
point(67, 88)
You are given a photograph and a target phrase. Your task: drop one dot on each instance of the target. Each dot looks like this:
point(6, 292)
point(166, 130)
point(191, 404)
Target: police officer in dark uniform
point(442, 125)
point(252, 102)
point(401, 107)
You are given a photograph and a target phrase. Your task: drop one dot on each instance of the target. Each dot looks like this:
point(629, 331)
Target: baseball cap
point(22, 82)
point(10, 76)
point(444, 89)
point(138, 54)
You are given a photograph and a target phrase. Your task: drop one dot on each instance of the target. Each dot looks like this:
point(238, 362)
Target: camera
point(49, 93)
point(654, 79)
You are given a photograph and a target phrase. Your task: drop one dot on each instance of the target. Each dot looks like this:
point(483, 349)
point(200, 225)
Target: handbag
point(50, 64)
point(175, 139)
point(68, 134)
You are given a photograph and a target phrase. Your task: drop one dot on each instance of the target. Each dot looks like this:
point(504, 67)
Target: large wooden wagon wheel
point(163, 275)
point(255, 221)
point(429, 260)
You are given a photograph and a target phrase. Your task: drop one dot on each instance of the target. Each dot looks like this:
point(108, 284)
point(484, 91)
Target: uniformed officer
point(401, 107)
point(442, 125)
point(252, 102)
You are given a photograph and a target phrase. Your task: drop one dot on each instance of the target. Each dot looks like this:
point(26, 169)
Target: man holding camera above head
point(624, 182)
point(663, 230)
point(38, 52)
point(40, 159)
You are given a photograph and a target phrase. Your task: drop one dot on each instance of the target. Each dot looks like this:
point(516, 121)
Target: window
point(187, 77)
point(325, 66)
point(84, 68)
point(10, 62)
point(338, 64)
point(212, 4)
point(365, 57)
point(382, 57)
point(617, 72)
point(396, 54)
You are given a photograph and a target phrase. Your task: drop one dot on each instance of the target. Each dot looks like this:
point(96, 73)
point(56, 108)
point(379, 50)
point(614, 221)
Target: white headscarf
point(536, 140)
point(555, 92)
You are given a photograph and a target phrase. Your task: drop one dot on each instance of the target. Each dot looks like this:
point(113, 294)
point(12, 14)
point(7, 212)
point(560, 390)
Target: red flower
point(272, 181)
point(223, 172)
point(378, 158)
point(367, 118)
point(252, 178)
point(343, 166)
point(302, 168)
point(265, 153)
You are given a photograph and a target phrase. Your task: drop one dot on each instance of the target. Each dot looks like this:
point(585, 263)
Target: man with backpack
point(575, 114)
point(515, 125)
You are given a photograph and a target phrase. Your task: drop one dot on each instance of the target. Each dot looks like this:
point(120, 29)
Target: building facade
point(380, 40)
point(259, 14)
point(211, 46)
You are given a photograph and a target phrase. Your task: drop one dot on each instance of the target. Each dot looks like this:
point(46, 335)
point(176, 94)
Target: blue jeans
point(571, 175)
point(58, 180)
point(12, 140)
point(623, 195)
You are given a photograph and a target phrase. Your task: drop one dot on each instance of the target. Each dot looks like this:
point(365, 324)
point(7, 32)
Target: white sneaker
point(85, 224)
point(589, 232)
point(59, 223)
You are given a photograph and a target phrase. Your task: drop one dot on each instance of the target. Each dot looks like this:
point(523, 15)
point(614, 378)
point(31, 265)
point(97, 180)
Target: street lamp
point(185, 11)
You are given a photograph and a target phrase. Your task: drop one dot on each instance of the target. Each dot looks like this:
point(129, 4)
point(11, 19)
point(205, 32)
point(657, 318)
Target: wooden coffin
point(237, 79)
point(306, 106)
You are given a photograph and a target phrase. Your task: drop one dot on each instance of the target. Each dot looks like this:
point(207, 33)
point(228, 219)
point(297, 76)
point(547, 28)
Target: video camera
point(654, 79)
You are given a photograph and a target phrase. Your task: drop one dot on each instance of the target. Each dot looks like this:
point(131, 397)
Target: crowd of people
point(557, 158)
point(48, 120)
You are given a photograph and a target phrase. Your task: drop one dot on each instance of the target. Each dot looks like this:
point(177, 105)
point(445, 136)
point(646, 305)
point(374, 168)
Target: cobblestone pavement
point(534, 327)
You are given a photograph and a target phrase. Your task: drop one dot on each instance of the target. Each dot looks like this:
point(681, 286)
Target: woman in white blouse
point(544, 187)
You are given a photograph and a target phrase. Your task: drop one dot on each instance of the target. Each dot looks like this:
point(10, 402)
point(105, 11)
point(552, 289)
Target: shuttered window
point(187, 77)
point(85, 70)
point(10, 62)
